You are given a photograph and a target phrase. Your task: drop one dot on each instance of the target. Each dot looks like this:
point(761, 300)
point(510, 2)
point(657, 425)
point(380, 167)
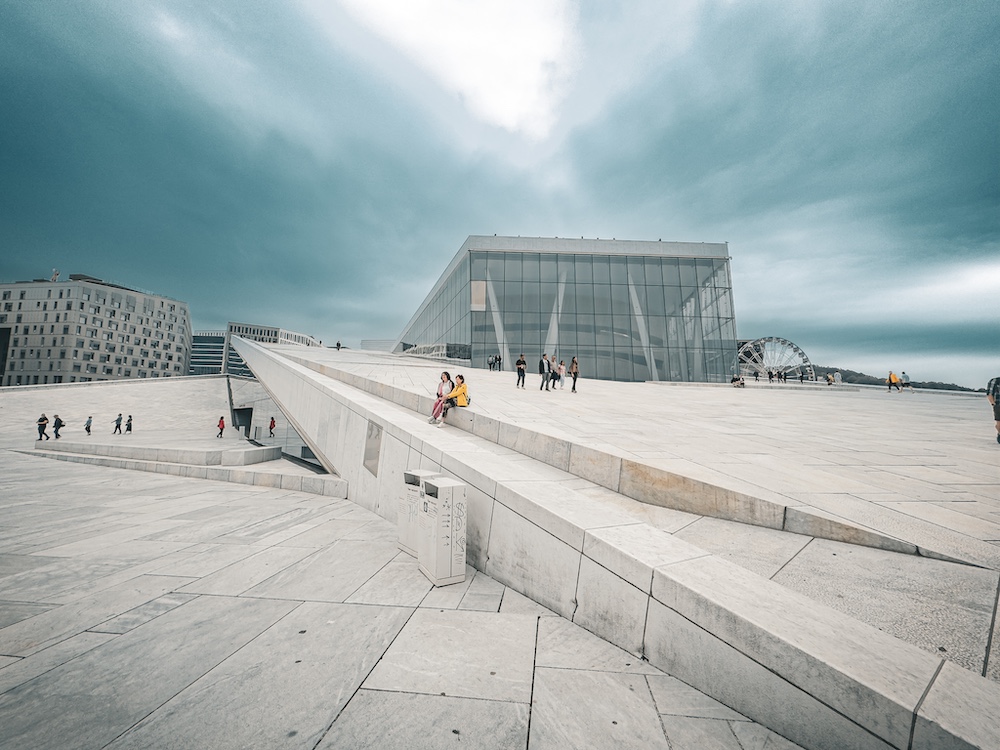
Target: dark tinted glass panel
point(568, 302)
point(602, 298)
point(654, 300)
point(512, 267)
point(547, 270)
point(620, 302)
point(636, 271)
point(494, 265)
point(672, 300)
point(585, 336)
point(688, 275)
point(513, 326)
point(567, 268)
point(584, 298)
point(640, 294)
point(618, 270)
point(529, 267)
point(657, 327)
point(671, 272)
point(530, 299)
point(479, 266)
point(605, 334)
point(622, 327)
point(548, 292)
point(725, 304)
point(602, 269)
point(511, 296)
point(654, 276)
point(623, 365)
point(706, 271)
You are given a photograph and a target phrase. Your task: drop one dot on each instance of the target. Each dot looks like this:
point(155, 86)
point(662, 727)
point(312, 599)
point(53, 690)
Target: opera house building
point(629, 310)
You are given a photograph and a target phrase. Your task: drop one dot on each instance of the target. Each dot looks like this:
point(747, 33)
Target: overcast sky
point(315, 164)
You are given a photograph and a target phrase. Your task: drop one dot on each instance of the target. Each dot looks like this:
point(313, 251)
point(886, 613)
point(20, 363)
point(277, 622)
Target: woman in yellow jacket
point(458, 397)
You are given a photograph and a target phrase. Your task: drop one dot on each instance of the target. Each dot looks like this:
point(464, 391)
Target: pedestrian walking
point(521, 366)
point(756, 376)
point(270, 428)
point(562, 374)
point(128, 425)
point(118, 425)
point(893, 381)
point(338, 346)
point(543, 370)
point(574, 371)
point(87, 424)
point(222, 426)
point(992, 395)
point(445, 386)
point(489, 362)
point(553, 372)
point(42, 422)
point(499, 362)
point(57, 424)
point(904, 381)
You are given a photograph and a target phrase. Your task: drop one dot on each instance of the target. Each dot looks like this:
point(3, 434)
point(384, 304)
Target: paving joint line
point(989, 635)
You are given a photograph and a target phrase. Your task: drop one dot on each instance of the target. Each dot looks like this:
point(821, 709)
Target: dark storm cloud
point(776, 106)
point(117, 167)
point(238, 156)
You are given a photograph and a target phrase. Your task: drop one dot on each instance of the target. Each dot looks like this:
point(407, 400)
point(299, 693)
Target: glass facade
point(637, 312)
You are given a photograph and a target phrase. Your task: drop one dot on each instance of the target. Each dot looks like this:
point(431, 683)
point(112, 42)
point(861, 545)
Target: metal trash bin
point(441, 519)
point(409, 501)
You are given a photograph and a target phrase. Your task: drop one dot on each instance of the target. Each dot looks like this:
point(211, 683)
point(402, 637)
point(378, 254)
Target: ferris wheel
point(773, 354)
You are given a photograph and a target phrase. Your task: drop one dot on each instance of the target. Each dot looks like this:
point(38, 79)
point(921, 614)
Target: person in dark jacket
point(543, 370)
point(57, 424)
point(42, 422)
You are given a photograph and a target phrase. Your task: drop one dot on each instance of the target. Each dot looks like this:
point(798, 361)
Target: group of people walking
point(58, 424)
point(551, 373)
point(899, 381)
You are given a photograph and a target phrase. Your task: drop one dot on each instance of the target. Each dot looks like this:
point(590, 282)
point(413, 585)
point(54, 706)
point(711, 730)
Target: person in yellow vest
point(458, 397)
point(893, 381)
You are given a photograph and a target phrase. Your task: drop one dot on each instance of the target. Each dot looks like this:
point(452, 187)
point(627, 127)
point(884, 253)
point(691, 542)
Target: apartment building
point(86, 329)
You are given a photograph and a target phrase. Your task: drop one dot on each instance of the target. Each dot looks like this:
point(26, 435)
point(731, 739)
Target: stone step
point(245, 455)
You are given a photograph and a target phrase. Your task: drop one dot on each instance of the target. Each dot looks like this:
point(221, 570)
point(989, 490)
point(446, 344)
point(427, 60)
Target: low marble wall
point(192, 456)
point(318, 484)
point(810, 673)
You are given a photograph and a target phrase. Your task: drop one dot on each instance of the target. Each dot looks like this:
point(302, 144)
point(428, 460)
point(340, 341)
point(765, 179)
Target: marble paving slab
point(463, 654)
point(377, 720)
point(283, 688)
point(87, 702)
point(581, 709)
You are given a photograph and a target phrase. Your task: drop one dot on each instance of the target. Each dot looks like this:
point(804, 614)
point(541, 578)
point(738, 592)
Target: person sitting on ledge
point(458, 397)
